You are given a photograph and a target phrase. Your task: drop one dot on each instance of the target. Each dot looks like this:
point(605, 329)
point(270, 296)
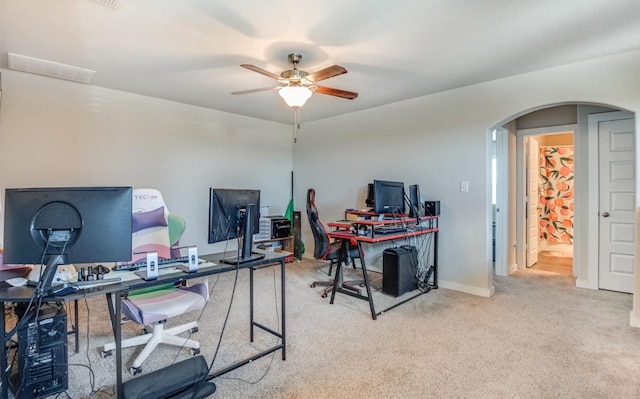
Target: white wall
point(441, 139)
point(58, 133)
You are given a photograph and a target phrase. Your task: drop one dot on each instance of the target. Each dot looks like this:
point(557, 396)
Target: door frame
point(501, 149)
point(521, 176)
point(593, 219)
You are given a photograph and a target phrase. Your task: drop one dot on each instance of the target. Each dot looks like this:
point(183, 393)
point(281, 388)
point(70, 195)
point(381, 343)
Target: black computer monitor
point(414, 201)
point(55, 226)
point(235, 213)
point(389, 196)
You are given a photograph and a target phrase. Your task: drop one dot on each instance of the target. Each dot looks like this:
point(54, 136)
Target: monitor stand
point(246, 254)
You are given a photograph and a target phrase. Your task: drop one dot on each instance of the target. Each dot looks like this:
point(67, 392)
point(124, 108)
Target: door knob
point(605, 214)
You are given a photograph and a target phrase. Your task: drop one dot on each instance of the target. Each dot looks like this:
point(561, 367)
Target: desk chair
point(324, 249)
point(153, 306)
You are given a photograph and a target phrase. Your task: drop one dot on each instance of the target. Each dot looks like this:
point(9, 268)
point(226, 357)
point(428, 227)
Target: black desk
point(114, 293)
point(347, 234)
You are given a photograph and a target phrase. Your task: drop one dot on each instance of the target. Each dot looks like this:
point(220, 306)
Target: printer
point(280, 226)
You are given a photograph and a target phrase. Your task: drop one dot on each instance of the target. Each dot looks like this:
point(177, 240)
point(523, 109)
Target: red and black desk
point(356, 231)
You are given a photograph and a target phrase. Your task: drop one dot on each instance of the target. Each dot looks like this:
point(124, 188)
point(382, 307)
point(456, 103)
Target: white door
point(617, 204)
point(533, 218)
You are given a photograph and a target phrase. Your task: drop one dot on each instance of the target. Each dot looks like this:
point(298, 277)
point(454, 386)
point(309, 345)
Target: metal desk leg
point(435, 259)
point(367, 283)
point(3, 360)
point(365, 274)
point(251, 269)
point(77, 332)
point(283, 310)
point(117, 335)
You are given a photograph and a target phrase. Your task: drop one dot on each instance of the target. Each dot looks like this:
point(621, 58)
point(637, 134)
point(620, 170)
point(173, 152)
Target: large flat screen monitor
point(388, 196)
point(55, 226)
point(235, 213)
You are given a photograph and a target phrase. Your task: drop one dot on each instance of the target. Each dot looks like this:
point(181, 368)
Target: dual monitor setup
point(389, 197)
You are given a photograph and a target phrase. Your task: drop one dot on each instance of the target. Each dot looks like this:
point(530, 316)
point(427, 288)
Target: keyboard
point(162, 263)
point(389, 230)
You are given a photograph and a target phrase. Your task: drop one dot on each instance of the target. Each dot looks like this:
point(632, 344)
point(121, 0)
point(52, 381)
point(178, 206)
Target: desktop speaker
point(399, 269)
point(432, 208)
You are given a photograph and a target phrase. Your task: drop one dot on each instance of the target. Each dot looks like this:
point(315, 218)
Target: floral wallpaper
point(556, 194)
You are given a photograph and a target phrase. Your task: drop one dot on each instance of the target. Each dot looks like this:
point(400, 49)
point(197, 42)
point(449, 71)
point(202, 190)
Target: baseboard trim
point(585, 284)
point(467, 289)
point(513, 268)
point(634, 320)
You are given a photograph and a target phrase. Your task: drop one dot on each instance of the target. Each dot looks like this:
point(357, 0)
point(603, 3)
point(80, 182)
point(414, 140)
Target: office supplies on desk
point(17, 281)
point(95, 283)
point(162, 263)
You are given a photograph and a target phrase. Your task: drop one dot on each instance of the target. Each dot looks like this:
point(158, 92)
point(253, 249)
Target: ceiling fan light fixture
point(295, 96)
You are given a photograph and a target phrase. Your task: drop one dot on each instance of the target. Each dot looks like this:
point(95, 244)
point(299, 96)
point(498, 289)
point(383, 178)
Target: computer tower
point(432, 208)
point(297, 235)
point(42, 353)
point(399, 268)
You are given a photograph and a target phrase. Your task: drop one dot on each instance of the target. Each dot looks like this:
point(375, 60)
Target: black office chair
point(324, 249)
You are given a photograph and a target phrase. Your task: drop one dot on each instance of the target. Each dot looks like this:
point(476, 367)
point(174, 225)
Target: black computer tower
point(297, 235)
point(399, 269)
point(42, 353)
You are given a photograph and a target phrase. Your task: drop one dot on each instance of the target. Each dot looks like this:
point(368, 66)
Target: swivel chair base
point(350, 285)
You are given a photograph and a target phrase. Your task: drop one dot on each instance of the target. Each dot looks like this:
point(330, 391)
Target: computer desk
point(114, 294)
point(347, 231)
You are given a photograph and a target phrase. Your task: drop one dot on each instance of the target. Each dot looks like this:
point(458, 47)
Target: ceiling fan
point(296, 86)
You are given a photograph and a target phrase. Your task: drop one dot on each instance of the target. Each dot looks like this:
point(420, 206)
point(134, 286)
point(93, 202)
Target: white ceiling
point(190, 50)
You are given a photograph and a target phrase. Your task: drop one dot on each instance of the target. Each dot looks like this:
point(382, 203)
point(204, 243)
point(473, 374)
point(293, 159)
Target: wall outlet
point(464, 186)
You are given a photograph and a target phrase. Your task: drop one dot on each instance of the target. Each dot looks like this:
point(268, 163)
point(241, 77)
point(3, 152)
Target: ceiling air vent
point(110, 3)
point(52, 69)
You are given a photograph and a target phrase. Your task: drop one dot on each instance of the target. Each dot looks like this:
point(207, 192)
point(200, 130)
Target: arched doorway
point(511, 226)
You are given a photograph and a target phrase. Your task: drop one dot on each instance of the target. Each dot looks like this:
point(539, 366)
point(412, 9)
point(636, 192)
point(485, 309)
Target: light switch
point(464, 186)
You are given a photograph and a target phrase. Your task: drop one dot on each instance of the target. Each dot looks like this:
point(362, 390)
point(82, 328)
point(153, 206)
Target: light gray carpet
point(537, 337)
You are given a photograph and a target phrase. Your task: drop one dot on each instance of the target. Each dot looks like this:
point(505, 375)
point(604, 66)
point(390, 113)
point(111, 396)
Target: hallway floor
point(554, 262)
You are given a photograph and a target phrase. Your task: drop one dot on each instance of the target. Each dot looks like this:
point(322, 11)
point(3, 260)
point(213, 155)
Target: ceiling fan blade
point(261, 71)
point(255, 90)
point(327, 73)
point(336, 92)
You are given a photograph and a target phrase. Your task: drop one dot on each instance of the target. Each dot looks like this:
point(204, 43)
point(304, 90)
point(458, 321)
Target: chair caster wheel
point(144, 331)
point(194, 330)
point(313, 286)
point(135, 370)
point(323, 295)
point(105, 354)
point(195, 351)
